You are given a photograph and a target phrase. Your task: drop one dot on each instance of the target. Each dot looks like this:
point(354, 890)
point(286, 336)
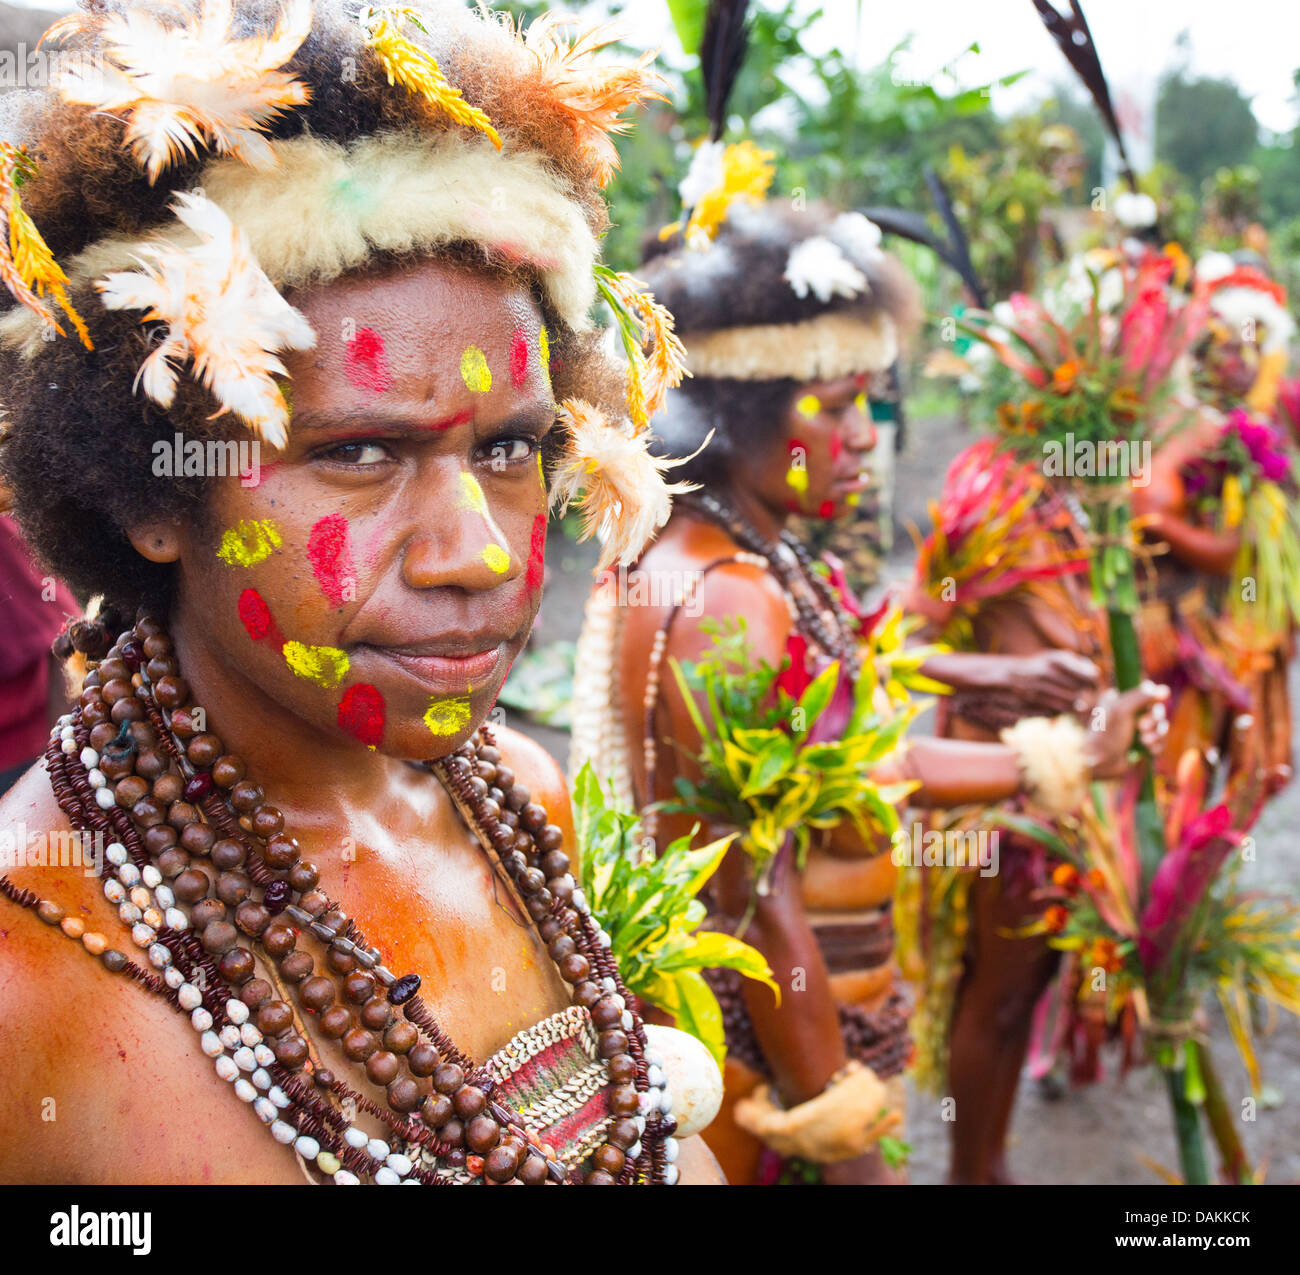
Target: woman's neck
point(768, 522)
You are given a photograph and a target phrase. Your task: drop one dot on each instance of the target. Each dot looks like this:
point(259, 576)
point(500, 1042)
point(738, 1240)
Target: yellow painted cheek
point(446, 717)
point(471, 494)
point(496, 558)
point(249, 542)
point(327, 666)
point(809, 407)
point(474, 370)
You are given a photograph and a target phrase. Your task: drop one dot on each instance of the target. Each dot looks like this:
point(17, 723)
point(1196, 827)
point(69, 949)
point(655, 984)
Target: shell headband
point(213, 276)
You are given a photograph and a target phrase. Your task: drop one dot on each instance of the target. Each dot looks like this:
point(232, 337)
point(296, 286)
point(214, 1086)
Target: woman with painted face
point(326, 913)
point(783, 317)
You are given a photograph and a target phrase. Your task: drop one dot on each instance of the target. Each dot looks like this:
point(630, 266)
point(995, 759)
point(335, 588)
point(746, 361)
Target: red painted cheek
point(837, 444)
point(518, 359)
point(361, 714)
point(263, 474)
point(366, 362)
point(536, 554)
point(329, 550)
point(256, 618)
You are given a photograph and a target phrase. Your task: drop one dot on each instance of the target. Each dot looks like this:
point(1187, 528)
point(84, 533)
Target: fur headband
point(821, 349)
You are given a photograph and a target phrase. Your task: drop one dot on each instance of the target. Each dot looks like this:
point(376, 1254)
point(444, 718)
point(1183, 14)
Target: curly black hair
point(76, 455)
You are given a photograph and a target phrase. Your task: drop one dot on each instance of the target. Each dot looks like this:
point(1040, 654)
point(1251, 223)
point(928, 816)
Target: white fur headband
point(820, 349)
point(325, 209)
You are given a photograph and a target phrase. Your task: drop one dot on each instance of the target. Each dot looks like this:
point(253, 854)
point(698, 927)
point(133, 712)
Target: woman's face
point(819, 466)
point(383, 575)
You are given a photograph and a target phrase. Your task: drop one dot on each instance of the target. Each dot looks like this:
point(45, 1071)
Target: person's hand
point(1053, 682)
point(1140, 711)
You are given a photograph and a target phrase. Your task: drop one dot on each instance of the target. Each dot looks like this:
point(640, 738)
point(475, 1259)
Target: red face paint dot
point(366, 362)
point(361, 714)
point(536, 554)
point(329, 550)
point(518, 359)
point(254, 614)
point(837, 444)
point(826, 509)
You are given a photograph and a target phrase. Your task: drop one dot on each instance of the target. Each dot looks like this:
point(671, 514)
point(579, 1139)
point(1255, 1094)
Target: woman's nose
point(455, 542)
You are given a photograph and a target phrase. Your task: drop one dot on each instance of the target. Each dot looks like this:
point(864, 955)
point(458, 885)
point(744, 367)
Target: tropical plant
point(647, 904)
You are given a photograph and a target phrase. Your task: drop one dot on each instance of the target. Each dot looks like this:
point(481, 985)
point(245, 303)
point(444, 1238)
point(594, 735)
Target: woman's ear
point(157, 541)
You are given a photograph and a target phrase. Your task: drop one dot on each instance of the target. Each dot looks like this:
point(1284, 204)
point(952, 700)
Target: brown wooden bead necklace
point(171, 795)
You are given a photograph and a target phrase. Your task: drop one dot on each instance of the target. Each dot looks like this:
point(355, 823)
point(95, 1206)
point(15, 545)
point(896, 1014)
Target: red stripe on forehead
point(366, 362)
point(460, 418)
point(518, 359)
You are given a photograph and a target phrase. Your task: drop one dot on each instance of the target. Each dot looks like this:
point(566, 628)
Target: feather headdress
point(618, 486)
point(592, 94)
point(27, 266)
point(192, 82)
point(222, 314)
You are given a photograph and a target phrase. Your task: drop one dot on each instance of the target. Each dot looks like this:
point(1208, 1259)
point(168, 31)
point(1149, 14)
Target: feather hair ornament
point(1074, 38)
point(643, 322)
point(618, 485)
point(222, 314)
point(592, 94)
point(180, 85)
point(416, 69)
point(27, 267)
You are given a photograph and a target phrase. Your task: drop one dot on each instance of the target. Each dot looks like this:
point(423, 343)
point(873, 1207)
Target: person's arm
point(697, 1164)
point(1202, 549)
point(1046, 682)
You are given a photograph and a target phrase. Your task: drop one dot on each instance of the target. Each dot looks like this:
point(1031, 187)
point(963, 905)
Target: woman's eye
point(356, 454)
point(508, 451)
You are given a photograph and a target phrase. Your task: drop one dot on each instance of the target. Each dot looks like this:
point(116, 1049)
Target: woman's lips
point(447, 674)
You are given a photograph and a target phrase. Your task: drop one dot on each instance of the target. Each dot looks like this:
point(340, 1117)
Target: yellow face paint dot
point(447, 716)
point(544, 349)
point(852, 499)
point(541, 471)
point(861, 404)
point(798, 479)
point(471, 494)
point(474, 370)
point(327, 666)
point(809, 406)
point(249, 542)
point(496, 558)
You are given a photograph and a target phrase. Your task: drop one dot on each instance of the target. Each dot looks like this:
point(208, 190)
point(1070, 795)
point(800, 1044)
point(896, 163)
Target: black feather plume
point(1074, 39)
point(722, 54)
point(913, 225)
point(958, 244)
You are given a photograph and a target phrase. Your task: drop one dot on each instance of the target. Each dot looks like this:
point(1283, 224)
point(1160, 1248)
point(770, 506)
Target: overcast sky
point(1256, 43)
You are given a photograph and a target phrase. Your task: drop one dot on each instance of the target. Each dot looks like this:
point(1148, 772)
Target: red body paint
point(461, 418)
point(361, 714)
point(367, 364)
point(536, 554)
point(255, 614)
point(518, 359)
point(329, 549)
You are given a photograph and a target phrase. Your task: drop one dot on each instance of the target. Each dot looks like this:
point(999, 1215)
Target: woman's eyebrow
point(362, 423)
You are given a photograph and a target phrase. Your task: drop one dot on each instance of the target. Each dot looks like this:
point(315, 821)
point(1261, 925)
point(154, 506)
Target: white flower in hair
point(860, 233)
point(222, 314)
point(705, 173)
point(819, 266)
point(1135, 210)
point(1214, 265)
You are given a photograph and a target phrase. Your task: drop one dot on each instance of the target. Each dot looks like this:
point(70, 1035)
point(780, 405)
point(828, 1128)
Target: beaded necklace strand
point(131, 765)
